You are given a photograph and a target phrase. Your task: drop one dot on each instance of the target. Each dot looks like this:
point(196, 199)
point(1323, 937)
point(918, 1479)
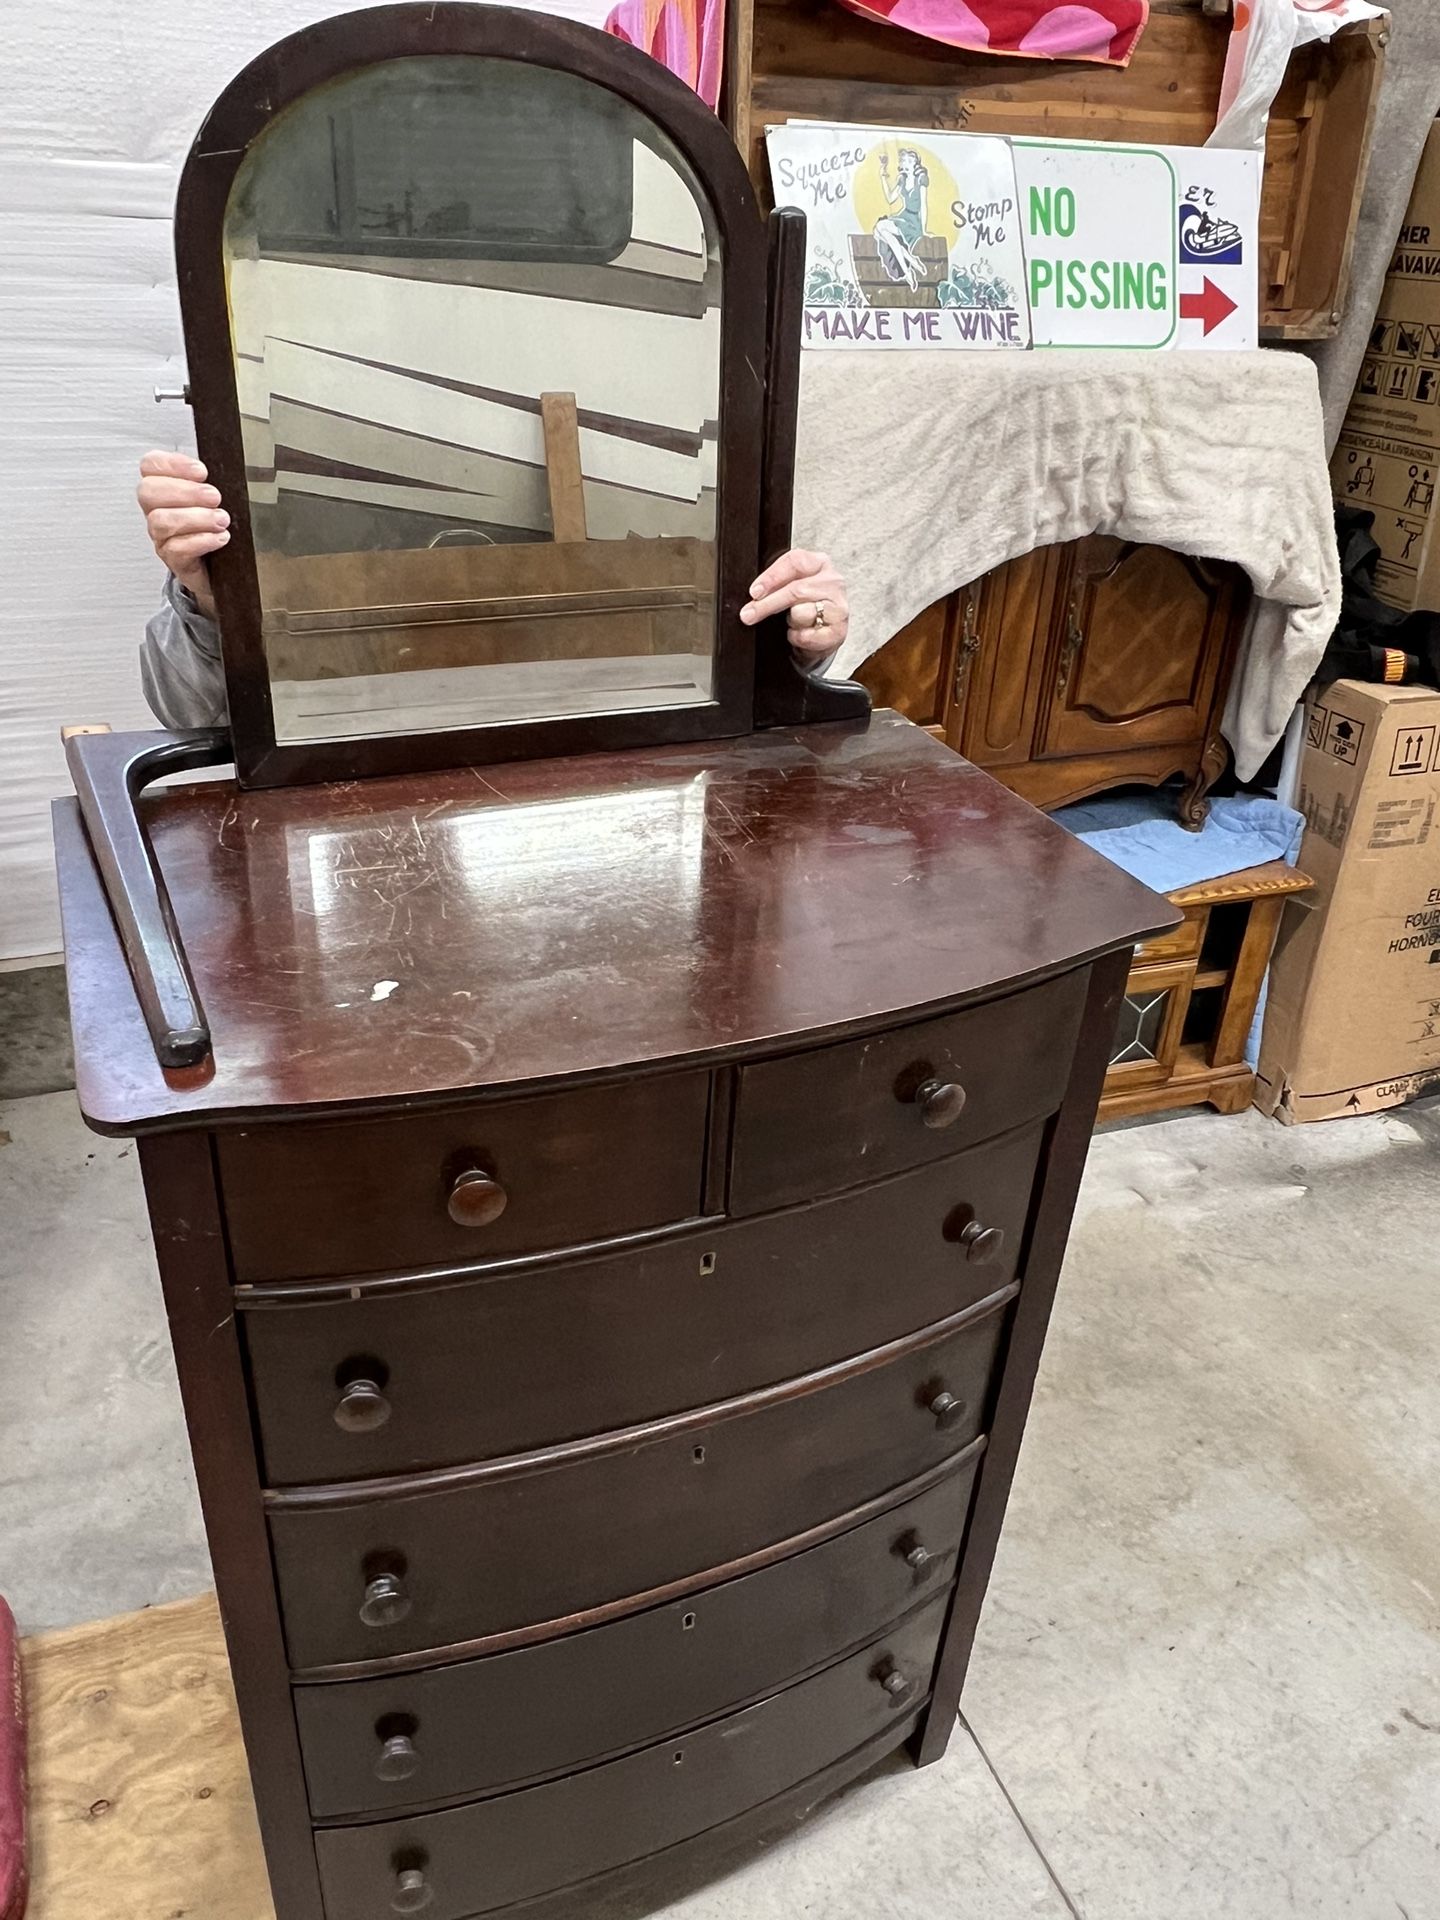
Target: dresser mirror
point(495, 362)
point(475, 321)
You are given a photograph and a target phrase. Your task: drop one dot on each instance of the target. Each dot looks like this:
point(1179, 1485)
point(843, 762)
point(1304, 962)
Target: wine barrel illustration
point(881, 291)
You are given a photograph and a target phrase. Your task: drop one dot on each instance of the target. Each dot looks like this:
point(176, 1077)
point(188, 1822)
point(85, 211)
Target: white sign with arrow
point(1147, 247)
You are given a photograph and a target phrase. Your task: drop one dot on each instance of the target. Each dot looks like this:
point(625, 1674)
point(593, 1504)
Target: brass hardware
point(969, 647)
point(1074, 641)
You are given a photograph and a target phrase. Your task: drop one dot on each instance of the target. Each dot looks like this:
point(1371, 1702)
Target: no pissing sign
point(1139, 246)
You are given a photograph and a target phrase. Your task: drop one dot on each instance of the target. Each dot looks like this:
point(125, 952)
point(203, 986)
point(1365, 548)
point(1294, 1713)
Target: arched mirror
point(476, 308)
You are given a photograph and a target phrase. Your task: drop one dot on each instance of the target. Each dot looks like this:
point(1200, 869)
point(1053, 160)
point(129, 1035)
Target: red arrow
point(1212, 306)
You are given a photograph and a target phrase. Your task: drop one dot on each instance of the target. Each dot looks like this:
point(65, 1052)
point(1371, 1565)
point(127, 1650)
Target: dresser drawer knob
point(893, 1681)
point(948, 1411)
point(476, 1199)
point(361, 1408)
point(397, 1759)
point(941, 1102)
point(916, 1555)
point(982, 1244)
point(386, 1602)
point(413, 1892)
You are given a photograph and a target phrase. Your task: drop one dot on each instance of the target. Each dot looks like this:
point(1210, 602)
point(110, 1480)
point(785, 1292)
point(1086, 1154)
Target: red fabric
point(1102, 30)
point(14, 1880)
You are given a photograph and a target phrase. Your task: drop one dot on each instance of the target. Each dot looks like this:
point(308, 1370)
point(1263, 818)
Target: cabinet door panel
point(1000, 659)
point(1143, 636)
point(911, 672)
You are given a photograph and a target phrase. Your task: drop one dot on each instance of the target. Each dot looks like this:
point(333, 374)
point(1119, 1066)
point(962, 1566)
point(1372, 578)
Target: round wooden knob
point(893, 1681)
point(982, 1244)
point(941, 1102)
point(386, 1602)
point(948, 1411)
point(413, 1892)
point(476, 1199)
point(397, 1759)
point(916, 1555)
point(361, 1408)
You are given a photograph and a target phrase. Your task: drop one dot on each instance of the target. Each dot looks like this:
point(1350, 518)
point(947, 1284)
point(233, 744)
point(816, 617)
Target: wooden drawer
point(563, 1534)
point(545, 1354)
point(1179, 944)
point(567, 1703)
point(477, 1858)
point(364, 1196)
point(831, 1118)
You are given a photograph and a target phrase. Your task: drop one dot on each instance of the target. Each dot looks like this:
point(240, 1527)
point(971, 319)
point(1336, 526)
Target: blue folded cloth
point(1140, 833)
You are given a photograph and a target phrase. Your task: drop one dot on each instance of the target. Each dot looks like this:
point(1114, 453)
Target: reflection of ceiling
point(413, 383)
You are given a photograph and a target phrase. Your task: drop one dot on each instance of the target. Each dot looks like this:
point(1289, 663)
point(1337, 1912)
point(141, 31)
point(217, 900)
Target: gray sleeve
point(180, 671)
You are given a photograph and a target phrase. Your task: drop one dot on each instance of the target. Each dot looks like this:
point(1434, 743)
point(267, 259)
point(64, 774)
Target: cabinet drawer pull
point(386, 1602)
point(413, 1892)
point(893, 1681)
point(941, 1102)
point(916, 1555)
point(476, 1199)
point(397, 1759)
point(982, 1244)
point(362, 1407)
point(948, 1411)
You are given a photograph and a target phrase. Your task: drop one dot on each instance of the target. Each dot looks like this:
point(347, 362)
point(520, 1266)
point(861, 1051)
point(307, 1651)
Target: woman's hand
point(183, 518)
point(806, 587)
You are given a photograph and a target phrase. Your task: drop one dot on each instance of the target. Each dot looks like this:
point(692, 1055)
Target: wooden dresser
point(610, 1105)
point(608, 1254)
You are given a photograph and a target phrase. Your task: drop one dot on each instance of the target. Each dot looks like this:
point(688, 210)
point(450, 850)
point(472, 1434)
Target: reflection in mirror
point(476, 317)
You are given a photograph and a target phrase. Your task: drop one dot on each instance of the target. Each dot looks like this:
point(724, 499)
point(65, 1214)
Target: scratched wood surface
point(140, 1799)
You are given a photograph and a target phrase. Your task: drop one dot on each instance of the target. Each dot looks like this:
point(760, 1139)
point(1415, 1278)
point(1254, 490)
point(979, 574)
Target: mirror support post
point(787, 694)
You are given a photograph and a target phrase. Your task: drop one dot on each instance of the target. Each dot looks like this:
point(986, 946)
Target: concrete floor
point(1208, 1677)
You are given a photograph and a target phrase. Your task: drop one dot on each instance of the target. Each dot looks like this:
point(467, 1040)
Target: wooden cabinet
point(634, 1515)
point(1076, 668)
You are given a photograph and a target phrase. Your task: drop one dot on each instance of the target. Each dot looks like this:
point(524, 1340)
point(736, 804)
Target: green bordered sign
point(1101, 243)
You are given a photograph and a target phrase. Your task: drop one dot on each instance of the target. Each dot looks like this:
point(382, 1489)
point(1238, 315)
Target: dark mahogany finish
point(544, 1709)
point(635, 1334)
point(472, 1184)
point(608, 1208)
point(608, 1253)
point(789, 888)
point(482, 1551)
point(510, 1849)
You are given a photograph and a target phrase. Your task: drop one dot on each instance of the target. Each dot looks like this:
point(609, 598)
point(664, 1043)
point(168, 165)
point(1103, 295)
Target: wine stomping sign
point(935, 240)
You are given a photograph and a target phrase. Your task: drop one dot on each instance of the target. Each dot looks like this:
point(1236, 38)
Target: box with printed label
point(1352, 1022)
point(1388, 454)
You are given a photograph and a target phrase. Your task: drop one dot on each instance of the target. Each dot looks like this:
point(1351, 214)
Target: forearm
point(180, 670)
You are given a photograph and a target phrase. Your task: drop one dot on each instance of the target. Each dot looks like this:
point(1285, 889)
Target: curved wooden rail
point(110, 771)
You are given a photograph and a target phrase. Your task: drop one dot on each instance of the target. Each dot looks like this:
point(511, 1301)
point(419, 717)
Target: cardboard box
point(1388, 454)
point(1352, 1023)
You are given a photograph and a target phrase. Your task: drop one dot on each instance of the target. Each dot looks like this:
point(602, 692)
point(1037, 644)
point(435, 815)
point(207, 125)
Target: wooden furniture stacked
point(810, 59)
point(1191, 997)
point(1077, 668)
point(608, 1206)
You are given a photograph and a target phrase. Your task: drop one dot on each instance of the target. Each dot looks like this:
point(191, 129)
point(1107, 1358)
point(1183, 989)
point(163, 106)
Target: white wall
point(98, 103)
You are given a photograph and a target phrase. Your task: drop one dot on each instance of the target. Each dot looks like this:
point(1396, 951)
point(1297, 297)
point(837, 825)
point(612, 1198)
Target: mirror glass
point(475, 309)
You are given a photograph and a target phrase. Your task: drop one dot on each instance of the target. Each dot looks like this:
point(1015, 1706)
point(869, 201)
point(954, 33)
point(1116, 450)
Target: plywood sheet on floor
point(140, 1800)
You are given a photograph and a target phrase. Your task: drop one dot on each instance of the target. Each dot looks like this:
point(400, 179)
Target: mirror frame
point(325, 52)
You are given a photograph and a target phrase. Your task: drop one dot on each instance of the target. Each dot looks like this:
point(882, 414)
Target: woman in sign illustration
point(897, 234)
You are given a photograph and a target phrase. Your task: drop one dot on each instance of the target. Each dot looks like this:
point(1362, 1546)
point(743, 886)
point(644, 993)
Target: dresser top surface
point(504, 927)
